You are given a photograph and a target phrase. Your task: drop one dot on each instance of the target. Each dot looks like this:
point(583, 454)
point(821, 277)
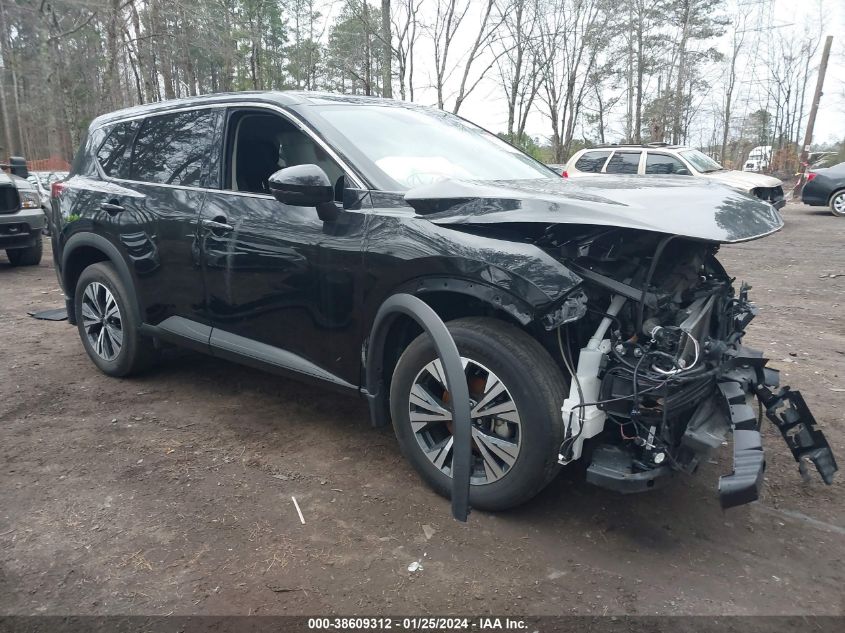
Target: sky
point(487, 105)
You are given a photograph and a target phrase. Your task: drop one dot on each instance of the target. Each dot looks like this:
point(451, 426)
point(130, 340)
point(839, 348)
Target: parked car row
point(42, 181)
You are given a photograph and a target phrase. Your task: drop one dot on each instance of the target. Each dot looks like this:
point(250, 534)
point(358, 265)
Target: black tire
point(837, 204)
point(536, 386)
point(30, 256)
point(137, 353)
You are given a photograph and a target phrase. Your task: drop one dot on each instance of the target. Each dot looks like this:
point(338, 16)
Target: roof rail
point(639, 145)
point(620, 145)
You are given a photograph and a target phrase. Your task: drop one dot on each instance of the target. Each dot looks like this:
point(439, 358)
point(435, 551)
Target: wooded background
point(719, 74)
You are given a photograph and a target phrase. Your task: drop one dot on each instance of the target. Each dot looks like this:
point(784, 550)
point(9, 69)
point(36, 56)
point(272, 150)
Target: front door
point(282, 287)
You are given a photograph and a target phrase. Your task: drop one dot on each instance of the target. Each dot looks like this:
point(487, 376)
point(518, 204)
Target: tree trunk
point(677, 110)
point(386, 51)
point(367, 53)
point(112, 81)
point(10, 147)
point(638, 113)
point(629, 112)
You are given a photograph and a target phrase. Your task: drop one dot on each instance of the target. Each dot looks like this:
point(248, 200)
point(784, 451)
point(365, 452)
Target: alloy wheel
point(496, 428)
point(839, 204)
point(101, 321)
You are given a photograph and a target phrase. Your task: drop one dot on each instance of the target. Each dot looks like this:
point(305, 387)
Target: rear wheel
point(516, 392)
point(30, 256)
point(837, 204)
point(107, 324)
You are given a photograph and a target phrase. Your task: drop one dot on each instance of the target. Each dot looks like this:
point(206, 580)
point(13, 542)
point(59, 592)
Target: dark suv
point(593, 319)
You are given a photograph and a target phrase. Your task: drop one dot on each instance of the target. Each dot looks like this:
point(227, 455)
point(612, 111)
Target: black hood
point(677, 205)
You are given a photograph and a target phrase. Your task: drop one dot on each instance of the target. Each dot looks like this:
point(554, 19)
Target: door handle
point(217, 225)
point(111, 207)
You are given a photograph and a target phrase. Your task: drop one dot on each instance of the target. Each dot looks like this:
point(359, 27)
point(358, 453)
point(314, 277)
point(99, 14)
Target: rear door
point(624, 162)
point(158, 168)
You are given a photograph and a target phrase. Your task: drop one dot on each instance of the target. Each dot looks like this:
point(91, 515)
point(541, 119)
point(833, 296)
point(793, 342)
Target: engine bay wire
point(680, 369)
point(661, 245)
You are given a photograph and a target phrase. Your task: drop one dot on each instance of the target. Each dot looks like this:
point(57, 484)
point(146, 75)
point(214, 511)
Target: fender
point(496, 297)
point(569, 308)
point(93, 240)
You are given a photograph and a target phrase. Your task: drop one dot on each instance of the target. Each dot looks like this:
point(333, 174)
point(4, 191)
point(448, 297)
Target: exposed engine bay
point(660, 375)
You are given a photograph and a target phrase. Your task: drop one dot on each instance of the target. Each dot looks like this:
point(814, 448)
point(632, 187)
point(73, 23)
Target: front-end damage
point(660, 374)
point(652, 334)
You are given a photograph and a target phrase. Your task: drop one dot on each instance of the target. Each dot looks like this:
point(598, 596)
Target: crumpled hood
point(745, 180)
point(675, 205)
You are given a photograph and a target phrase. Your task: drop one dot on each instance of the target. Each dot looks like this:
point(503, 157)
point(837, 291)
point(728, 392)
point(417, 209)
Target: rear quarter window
point(173, 149)
point(114, 153)
point(591, 162)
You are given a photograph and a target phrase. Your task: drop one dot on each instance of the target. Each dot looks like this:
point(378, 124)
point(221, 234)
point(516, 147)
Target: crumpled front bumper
point(731, 408)
point(786, 409)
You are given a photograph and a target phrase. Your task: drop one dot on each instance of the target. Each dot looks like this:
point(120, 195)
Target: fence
point(54, 163)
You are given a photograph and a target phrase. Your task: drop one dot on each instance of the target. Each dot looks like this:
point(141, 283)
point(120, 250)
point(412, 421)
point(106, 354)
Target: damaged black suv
point(593, 318)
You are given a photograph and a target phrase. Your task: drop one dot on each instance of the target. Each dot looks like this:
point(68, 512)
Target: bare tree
point(406, 26)
point(569, 42)
point(518, 66)
point(449, 16)
point(737, 40)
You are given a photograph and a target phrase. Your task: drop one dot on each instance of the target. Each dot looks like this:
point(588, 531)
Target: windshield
point(702, 162)
point(402, 148)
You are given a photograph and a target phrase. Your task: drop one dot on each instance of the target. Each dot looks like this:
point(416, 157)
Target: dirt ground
point(171, 493)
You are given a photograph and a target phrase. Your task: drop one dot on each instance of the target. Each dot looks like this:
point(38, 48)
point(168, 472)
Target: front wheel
point(837, 204)
point(516, 393)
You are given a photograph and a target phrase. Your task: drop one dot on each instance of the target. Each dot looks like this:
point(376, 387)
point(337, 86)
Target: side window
point(261, 143)
point(114, 153)
point(664, 164)
point(623, 163)
point(591, 162)
point(173, 149)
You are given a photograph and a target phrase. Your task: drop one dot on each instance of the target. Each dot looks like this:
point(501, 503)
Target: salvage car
point(662, 159)
point(21, 216)
point(594, 320)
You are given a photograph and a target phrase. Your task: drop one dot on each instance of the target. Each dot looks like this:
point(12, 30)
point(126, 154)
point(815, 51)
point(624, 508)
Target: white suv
point(662, 159)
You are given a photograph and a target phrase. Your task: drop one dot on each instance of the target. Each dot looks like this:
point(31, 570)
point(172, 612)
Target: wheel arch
point(83, 250)
point(450, 299)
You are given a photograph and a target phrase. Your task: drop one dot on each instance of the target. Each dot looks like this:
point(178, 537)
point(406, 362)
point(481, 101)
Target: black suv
point(593, 319)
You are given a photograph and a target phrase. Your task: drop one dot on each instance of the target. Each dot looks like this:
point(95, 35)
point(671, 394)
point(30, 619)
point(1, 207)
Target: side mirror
point(17, 166)
point(301, 186)
point(683, 172)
